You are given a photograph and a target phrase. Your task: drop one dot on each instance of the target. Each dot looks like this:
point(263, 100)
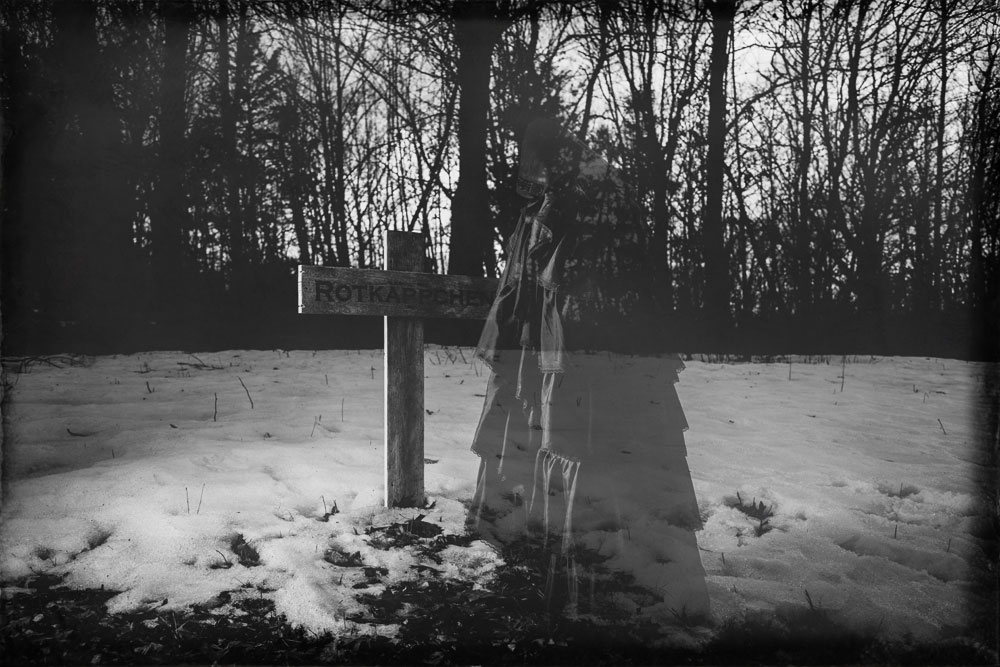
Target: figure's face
point(532, 174)
point(551, 158)
point(535, 173)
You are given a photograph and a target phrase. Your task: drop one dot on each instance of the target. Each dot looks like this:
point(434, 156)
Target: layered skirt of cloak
point(590, 464)
point(581, 438)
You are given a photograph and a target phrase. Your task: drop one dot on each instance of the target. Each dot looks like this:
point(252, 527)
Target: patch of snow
point(135, 472)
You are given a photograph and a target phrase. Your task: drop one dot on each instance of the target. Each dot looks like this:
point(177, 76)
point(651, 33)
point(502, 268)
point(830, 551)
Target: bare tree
point(228, 111)
point(984, 260)
point(169, 209)
point(98, 205)
point(477, 29)
point(717, 284)
point(656, 49)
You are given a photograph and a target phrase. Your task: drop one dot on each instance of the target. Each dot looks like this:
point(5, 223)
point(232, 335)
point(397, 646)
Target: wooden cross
point(403, 295)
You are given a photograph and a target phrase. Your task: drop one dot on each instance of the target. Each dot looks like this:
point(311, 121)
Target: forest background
point(817, 176)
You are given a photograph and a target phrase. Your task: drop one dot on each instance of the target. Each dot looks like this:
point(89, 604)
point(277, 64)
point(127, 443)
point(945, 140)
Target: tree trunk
point(297, 180)
point(230, 155)
point(98, 204)
point(326, 228)
point(871, 285)
point(803, 230)
point(602, 19)
point(169, 209)
point(470, 250)
point(339, 203)
point(716, 301)
point(30, 257)
point(922, 252)
point(983, 291)
point(938, 255)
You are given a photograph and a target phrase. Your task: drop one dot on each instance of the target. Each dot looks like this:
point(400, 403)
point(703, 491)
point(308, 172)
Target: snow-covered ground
point(137, 472)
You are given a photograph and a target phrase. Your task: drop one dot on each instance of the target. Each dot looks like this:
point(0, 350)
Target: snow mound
point(943, 566)
point(137, 472)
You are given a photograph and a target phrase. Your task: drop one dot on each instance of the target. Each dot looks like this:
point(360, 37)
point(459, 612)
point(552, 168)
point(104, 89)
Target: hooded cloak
point(577, 433)
point(578, 273)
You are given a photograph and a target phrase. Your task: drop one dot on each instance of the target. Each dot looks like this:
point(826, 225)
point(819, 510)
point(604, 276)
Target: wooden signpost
point(404, 296)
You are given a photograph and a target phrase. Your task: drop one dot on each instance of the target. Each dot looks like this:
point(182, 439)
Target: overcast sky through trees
point(210, 146)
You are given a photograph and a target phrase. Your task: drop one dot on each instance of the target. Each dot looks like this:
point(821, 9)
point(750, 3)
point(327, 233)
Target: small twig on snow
point(246, 390)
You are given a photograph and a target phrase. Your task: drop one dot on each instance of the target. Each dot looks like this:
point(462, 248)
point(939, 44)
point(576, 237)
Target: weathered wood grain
point(341, 291)
point(404, 386)
point(403, 295)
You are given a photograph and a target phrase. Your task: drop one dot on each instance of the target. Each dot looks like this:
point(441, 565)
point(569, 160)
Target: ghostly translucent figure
point(581, 438)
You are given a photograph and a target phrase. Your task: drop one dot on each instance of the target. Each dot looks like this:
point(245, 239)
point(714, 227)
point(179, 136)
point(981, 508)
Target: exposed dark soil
point(516, 618)
point(56, 625)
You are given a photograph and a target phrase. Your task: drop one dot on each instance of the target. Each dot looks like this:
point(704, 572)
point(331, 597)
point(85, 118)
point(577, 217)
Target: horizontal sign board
point(326, 290)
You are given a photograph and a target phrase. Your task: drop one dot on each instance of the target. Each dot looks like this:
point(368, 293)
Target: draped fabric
point(578, 274)
point(578, 435)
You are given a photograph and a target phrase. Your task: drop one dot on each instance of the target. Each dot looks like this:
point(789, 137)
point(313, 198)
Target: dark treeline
point(817, 176)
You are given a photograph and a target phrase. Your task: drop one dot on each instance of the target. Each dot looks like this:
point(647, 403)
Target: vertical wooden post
point(404, 385)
